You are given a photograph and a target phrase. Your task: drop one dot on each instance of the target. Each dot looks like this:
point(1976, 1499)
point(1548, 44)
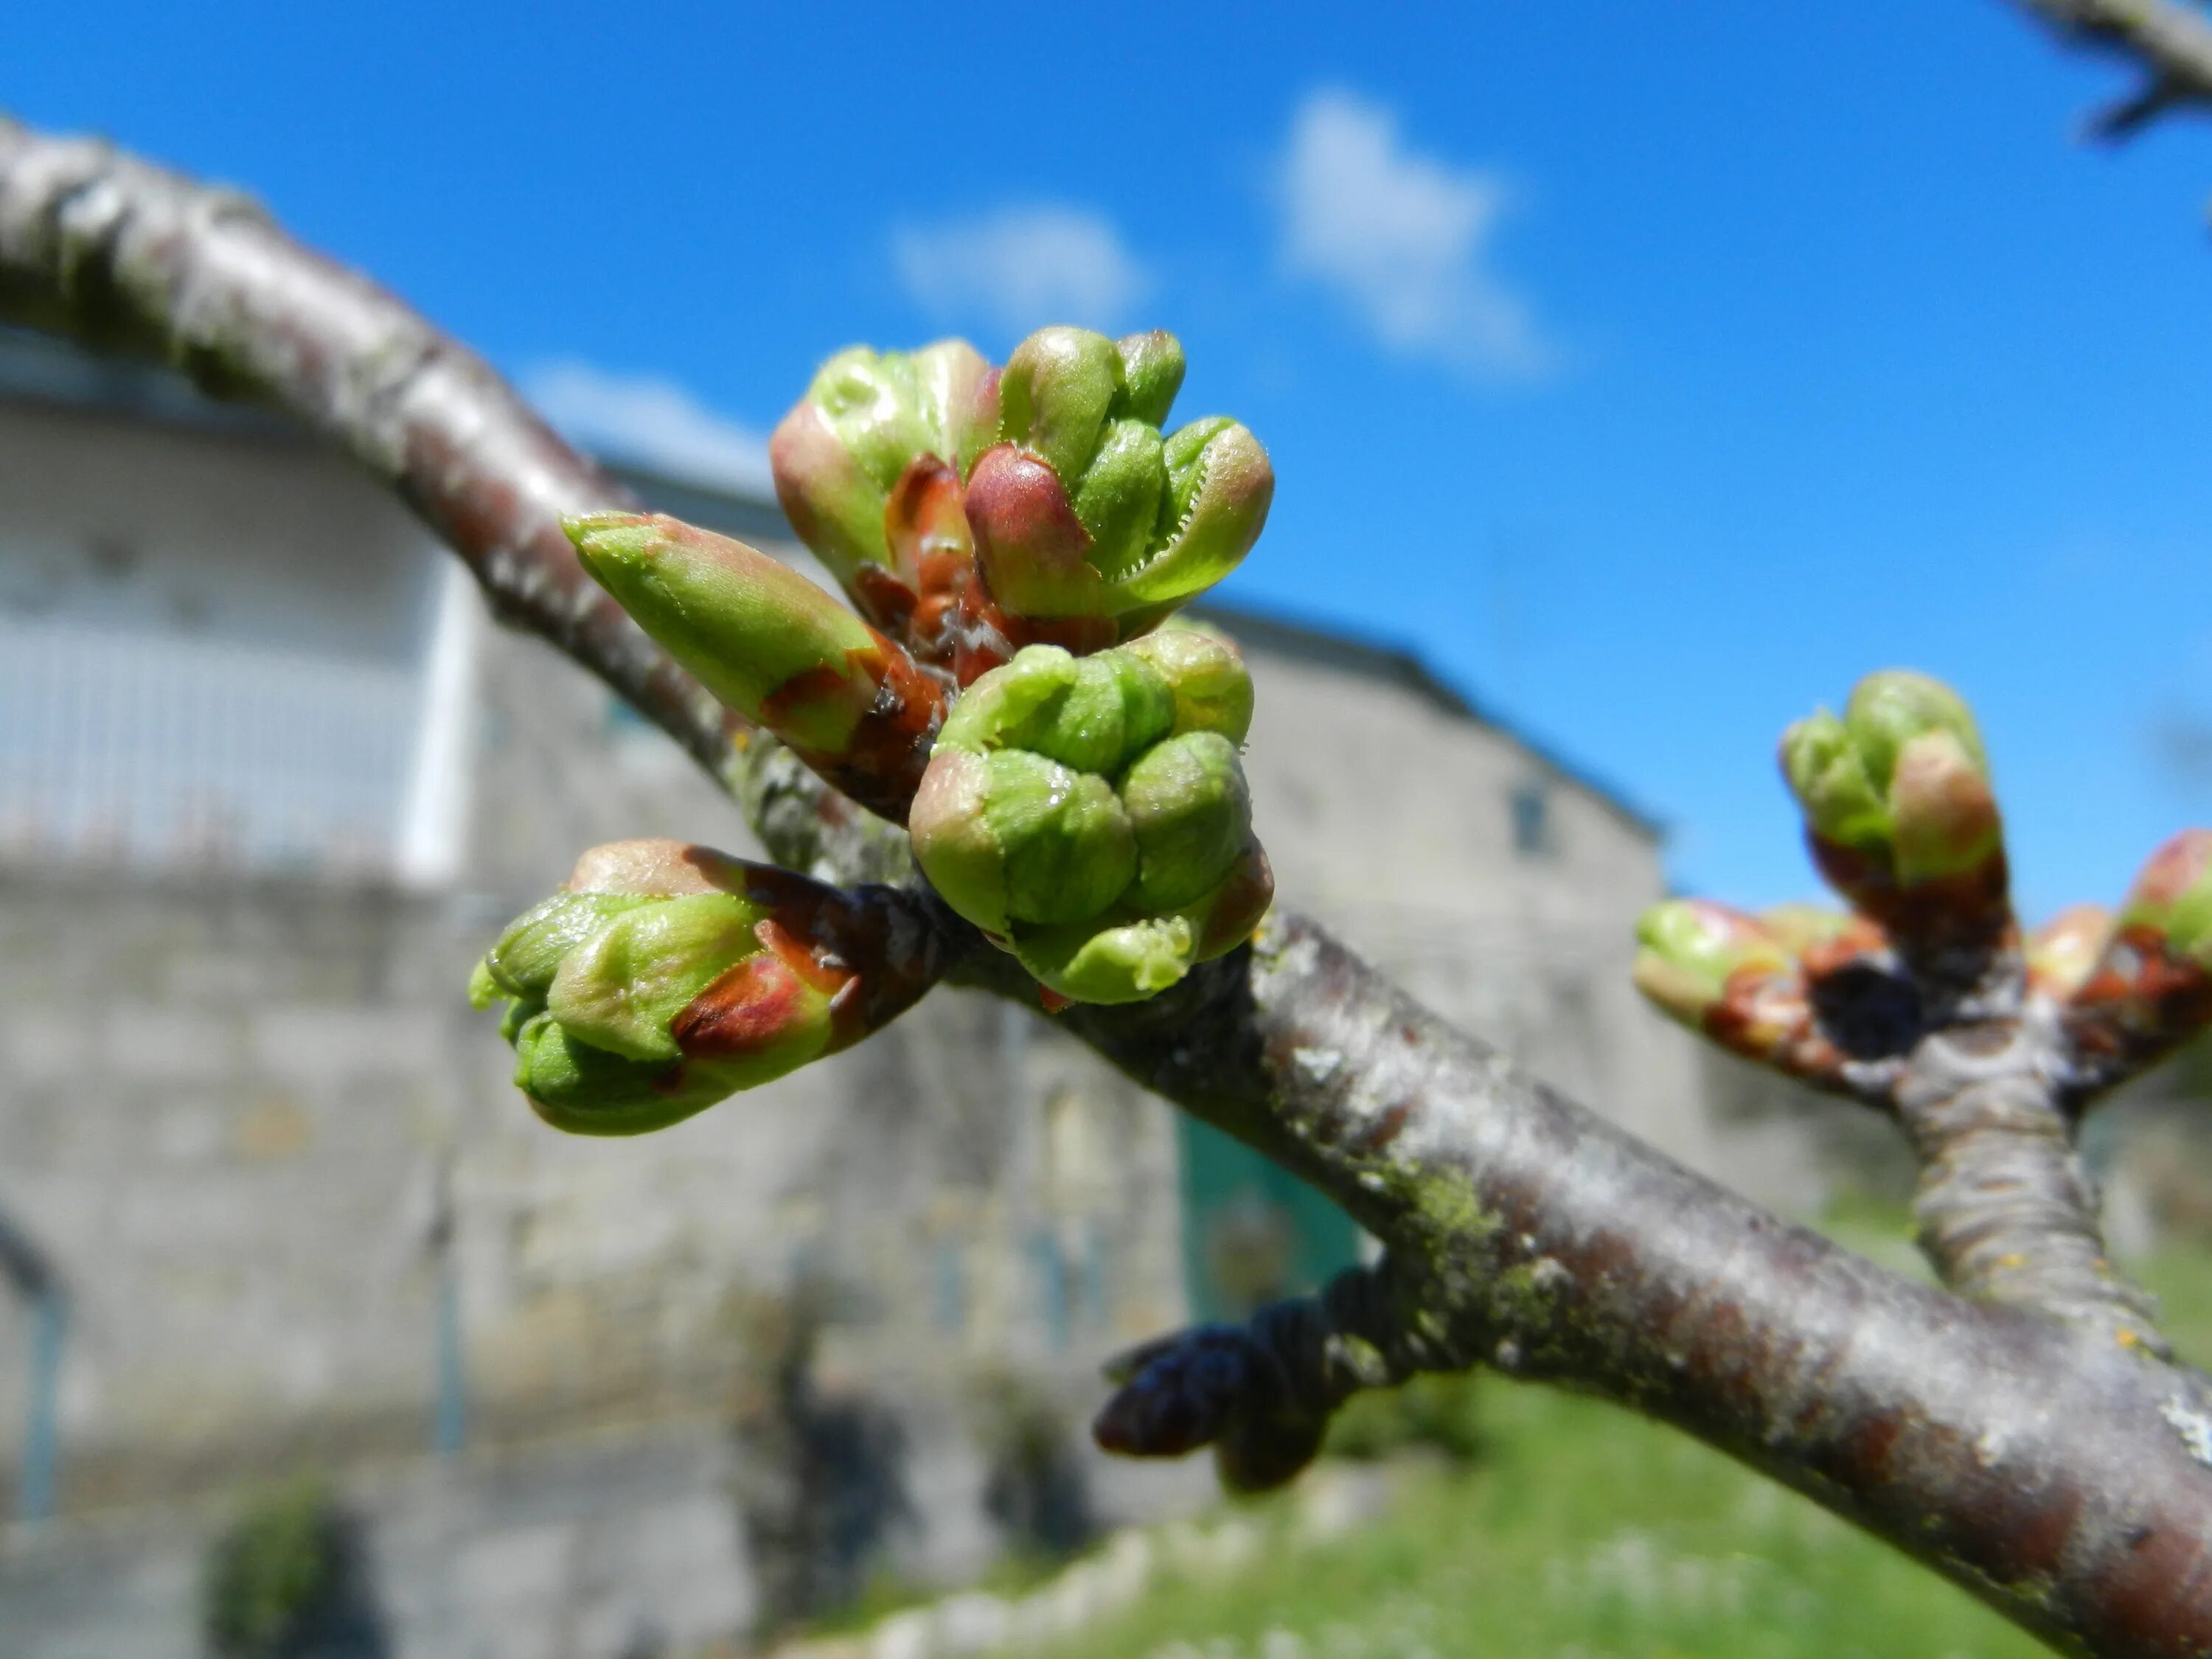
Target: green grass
point(1585, 1531)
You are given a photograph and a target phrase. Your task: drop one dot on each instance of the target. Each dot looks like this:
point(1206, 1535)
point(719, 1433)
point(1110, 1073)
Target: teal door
point(1253, 1233)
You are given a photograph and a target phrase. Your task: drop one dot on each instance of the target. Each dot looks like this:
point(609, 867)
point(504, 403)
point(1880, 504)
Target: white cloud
point(651, 421)
point(1021, 268)
point(1405, 238)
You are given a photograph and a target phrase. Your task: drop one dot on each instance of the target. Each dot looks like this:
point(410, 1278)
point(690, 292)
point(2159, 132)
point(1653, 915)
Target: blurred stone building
point(269, 781)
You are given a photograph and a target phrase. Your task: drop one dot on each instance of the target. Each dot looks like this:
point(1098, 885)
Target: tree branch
point(2169, 41)
point(103, 247)
point(1926, 1002)
point(2006, 1212)
point(2064, 1480)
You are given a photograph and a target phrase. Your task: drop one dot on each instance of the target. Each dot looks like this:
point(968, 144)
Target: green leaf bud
point(1152, 374)
point(759, 636)
point(1192, 814)
point(867, 417)
point(2172, 898)
point(1689, 950)
point(1011, 836)
point(1897, 800)
point(1087, 509)
point(1134, 956)
point(1944, 817)
point(774, 648)
point(1827, 774)
point(587, 1090)
point(666, 976)
point(1888, 710)
point(1056, 393)
point(1089, 713)
point(528, 953)
point(622, 987)
point(1119, 496)
point(1072, 812)
point(1124, 963)
point(1740, 980)
point(1206, 674)
point(1220, 484)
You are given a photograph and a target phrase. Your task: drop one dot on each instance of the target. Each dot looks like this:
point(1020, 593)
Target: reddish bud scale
point(1856, 938)
point(1028, 539)
point(2141, 1002)
point(1972, 907)
point(744, 1013)
point(934, 597)
point(1766, 1015)
point(1239, 904)
point(846, 948)
point(883, 761)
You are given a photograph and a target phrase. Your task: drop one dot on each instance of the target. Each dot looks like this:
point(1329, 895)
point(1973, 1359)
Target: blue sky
point(1654, 371)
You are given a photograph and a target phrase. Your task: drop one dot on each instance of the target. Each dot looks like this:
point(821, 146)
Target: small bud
point(1890, 710)
point(868, 417)
point(1188, 803)
point(1071, 813)
point(1730, 978)
point(1152, 374)
point(1013, 836)
point(2151, 988)
point(2061, 953)
point(1089, 713)
point(1130, 960)
point(2171, 898)
point(1944, 820)
point(1829, 778)
point(1087, 509)
point(773, 646)
point(1206, 673)
point(1055, 394)
point(664, 977)
point(1897, 802)
point(1689, 951)
point(622, 987)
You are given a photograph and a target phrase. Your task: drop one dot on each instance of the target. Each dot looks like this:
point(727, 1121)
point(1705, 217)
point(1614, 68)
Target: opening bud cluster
point(663, 977)
point(1090, 813)
point(1897, 799)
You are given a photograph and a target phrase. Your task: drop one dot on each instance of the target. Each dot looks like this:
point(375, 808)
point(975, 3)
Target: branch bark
point(2007, 1213)
point(2063, 1480)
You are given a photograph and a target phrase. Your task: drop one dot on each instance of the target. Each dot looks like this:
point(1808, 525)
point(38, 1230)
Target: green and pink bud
point(2151, 987)
point(1091, 814)
point(1731, 978)
point(664, 977)
point(1086, 509)
point(868, 418)
point(2172, 899)
point(774, 648)
point(1896, 797)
